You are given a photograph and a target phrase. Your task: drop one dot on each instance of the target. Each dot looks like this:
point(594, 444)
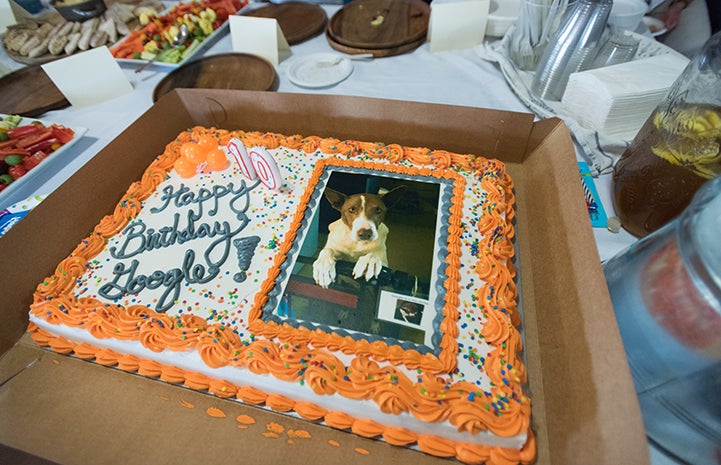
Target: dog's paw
point(324, 271)
point(369, 266)
point(375, 327)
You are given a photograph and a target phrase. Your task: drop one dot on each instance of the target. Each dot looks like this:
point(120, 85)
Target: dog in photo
point(359, 235)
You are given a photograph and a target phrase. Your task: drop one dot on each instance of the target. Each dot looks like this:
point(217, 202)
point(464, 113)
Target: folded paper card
point(7, 18)
point(259, 36)
point(455, 25)
point(89, 77)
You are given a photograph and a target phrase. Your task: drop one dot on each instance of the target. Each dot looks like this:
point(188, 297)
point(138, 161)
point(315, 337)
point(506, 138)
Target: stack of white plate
point(501, 14)
point(616, 100)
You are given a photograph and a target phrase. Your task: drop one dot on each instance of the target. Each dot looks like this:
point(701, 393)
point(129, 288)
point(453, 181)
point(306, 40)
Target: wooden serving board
point(27, 60)
point(380, 24)
point(53, 17)
point(376, 52)
point(237, 71)
point(29, 92)
point(299, 21)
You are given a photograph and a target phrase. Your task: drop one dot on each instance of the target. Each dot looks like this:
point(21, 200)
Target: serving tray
point(380, 24)
point(237, 71)
point(30, 92)
point(299, 21)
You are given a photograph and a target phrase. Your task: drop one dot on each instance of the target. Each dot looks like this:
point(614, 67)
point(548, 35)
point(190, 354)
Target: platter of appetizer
point(50, 36)
point(30, 148)
point(205, 21)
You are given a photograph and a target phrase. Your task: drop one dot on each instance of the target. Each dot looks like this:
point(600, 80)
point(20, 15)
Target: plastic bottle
point(677, 149)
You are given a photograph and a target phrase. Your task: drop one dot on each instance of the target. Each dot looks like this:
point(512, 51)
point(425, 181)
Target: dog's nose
point(365, 234)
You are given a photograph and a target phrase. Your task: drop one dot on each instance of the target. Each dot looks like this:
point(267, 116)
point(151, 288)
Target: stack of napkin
point(616, 100)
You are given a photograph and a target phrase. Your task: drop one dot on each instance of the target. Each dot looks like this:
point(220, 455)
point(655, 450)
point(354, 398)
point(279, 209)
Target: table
point(458, 77)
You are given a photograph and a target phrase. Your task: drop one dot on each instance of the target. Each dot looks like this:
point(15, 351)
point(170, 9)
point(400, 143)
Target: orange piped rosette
point(504, 411)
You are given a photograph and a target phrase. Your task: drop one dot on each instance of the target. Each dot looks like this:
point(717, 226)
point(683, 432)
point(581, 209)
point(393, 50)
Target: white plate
point(319, 70)
point(55, 161)
point(204, 45)
point(502, 13)
point(654, 25)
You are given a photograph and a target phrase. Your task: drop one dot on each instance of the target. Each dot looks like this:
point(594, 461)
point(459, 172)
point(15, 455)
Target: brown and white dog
point(358, 236)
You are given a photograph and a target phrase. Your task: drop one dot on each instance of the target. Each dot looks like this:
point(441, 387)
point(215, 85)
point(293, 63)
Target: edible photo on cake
point(370, 244)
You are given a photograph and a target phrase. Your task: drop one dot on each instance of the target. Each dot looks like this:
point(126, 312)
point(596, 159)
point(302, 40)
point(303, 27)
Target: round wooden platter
point(380, 24)
point(376, 52)
point(299, 21)
point(30, 92)
point(30, 61)
point(235, 71)
point(53, 17)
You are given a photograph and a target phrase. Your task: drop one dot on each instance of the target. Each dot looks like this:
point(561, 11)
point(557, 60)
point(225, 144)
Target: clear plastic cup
point(619, 48)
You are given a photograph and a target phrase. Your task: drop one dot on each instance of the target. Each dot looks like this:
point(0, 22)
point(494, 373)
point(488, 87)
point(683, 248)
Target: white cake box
point(62, 409)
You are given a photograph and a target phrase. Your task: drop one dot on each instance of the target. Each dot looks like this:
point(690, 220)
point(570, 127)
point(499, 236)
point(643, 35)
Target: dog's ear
point(335, 198)
point(392, 197)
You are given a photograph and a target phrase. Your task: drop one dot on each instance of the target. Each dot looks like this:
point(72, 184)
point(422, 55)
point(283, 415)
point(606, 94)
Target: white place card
point(89, 77)
point(459, 24)
point(7, 17)
point(259, 36)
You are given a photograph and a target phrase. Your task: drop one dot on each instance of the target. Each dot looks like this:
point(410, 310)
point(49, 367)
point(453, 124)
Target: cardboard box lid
point(584, 405)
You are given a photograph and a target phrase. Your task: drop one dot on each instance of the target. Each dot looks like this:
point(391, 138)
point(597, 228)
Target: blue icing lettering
point(138, 238)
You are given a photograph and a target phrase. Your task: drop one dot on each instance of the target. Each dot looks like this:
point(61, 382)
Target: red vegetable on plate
point(28, 145)
point(26, 130)
point(34, 160)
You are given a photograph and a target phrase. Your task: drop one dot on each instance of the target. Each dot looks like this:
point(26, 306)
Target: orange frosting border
point(379, 350)
point(472, 454)
point(503, 410)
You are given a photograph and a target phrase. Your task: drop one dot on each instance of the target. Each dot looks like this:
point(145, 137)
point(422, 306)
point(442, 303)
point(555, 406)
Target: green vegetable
point(3, 136)
point(13, 160)
point(10, 122)
point(173, 55)
point(6, 178)
point(191, 48)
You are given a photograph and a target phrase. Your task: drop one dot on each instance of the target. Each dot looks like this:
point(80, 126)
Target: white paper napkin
point(617, 99)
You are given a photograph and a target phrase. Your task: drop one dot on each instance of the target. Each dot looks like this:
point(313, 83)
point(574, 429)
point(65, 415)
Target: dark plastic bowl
point(80, 11)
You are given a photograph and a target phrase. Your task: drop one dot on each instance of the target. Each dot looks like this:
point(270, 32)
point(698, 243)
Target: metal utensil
point(339, 58)
point(178, 40)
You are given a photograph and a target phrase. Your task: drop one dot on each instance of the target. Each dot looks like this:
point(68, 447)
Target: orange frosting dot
point(275, 427)
point(215, 412)
point(207, 141)
point(217, 160)
point(184, 167)
point(194, 152)
point(245, 419)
